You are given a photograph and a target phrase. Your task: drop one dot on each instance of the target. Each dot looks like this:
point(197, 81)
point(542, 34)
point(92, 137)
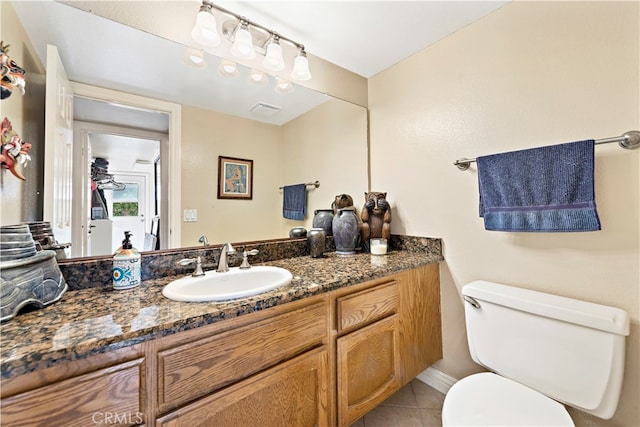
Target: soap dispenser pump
point(126, 265)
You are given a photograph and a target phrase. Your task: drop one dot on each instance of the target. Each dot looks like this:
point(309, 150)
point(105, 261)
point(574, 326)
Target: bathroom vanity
point(343, 336)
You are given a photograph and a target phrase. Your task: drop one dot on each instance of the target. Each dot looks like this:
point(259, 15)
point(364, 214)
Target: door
point(129, 209)
point(58, 157)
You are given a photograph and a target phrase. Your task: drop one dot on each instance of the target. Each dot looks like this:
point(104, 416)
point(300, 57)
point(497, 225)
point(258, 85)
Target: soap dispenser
point(126, 265)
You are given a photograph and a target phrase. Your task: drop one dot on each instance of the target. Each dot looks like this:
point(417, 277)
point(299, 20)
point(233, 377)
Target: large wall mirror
point(122, 145)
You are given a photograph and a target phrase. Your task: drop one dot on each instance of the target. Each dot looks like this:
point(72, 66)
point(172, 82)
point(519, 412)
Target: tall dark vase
point(323, 218)
point(345, 231)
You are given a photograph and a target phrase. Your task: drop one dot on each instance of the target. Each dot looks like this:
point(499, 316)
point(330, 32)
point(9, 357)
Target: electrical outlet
point(190, 215)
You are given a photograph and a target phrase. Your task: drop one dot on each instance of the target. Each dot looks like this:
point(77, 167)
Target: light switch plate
point(190, 215)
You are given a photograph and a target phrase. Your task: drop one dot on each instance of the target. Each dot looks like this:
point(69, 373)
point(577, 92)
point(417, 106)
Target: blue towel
point(294, 201)
point(540, 189)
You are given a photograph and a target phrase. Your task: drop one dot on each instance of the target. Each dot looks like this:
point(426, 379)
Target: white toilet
point(542, 349)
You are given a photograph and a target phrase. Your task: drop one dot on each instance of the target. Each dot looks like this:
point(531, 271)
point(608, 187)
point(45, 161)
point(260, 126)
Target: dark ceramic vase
point(296, 232)
point(345, 231)
point(323, 218)
point(315, 241)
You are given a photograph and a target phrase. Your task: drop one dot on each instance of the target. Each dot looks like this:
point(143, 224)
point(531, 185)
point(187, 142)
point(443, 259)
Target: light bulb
point(243, 44)
point(228, 68)
point(258, 77)
point(195, 58)
point(273, 59)
point(284, 86)
point(301, 67)
point(205, 32)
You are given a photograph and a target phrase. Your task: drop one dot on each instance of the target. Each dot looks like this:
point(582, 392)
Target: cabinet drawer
point(109, 394)
point(293, 393)
point(196, 369)
point(361, 308)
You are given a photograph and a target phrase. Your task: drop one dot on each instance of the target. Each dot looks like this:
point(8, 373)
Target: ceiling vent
point(265, 110)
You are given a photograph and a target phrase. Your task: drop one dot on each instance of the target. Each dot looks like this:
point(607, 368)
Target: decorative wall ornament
point(14, 150)
point(12, 74)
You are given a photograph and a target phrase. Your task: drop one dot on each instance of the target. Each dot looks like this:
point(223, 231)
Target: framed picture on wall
point(235, 178)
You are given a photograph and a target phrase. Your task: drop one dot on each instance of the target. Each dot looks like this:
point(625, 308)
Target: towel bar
point(315, 184)
point(629, 141)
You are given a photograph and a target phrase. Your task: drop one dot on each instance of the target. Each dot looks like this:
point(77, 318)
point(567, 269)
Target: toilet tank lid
point(597, 316)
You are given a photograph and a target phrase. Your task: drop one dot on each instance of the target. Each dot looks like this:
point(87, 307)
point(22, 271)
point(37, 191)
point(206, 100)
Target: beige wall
point(22, 201)
point(328, 144)
point(530, 74)
point(207, 135)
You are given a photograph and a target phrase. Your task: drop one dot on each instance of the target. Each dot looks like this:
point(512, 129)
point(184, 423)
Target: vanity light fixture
point(243, 42)
point(248, 40)
point(205, 32)
point(273, 59)
point(301, 67)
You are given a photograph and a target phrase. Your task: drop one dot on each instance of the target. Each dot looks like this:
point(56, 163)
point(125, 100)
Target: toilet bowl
point(544, 351)
point(487, 399)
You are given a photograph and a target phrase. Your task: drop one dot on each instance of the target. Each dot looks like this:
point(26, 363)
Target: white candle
point(378, 246)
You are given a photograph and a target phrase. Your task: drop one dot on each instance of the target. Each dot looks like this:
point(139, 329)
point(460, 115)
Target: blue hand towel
point(540, 189)
point(294, 201)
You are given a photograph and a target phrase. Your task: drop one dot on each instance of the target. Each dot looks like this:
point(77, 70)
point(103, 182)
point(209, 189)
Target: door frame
point(82, 160)
point(170, 155)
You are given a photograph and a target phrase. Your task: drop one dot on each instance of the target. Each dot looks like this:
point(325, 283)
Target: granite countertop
point(92, 321)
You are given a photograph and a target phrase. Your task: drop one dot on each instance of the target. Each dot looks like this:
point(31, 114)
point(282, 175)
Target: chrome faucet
point(223, 263)
point(198, 270)
point(203, 239)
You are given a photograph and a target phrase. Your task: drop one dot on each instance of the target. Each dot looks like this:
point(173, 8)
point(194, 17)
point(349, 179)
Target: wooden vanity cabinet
point(320, 361)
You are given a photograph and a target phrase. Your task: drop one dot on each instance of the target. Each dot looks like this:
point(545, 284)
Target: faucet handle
point(188, 261)
point(245, 261)
point(203, 239)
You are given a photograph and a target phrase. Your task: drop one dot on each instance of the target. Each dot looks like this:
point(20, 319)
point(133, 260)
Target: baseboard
point(437, 379)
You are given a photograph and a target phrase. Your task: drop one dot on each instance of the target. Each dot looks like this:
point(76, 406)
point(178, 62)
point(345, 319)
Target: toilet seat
point(487, 399)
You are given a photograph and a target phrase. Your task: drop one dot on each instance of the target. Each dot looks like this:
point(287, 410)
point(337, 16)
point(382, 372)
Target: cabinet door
point(294, 393)
point(420, 324)
point(368, 366)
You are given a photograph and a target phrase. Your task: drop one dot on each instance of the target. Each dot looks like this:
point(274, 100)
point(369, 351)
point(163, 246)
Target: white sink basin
point(235, 283)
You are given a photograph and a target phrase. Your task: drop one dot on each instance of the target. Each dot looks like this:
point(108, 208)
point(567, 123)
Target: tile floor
point(414, 405)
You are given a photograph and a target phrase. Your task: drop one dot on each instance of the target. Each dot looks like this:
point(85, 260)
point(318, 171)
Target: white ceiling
point(365, 37)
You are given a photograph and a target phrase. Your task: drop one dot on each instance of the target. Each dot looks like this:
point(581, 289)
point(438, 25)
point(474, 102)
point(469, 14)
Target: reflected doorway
point(121, 185)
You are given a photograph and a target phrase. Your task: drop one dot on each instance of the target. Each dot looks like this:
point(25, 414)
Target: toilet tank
point(570, 350)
